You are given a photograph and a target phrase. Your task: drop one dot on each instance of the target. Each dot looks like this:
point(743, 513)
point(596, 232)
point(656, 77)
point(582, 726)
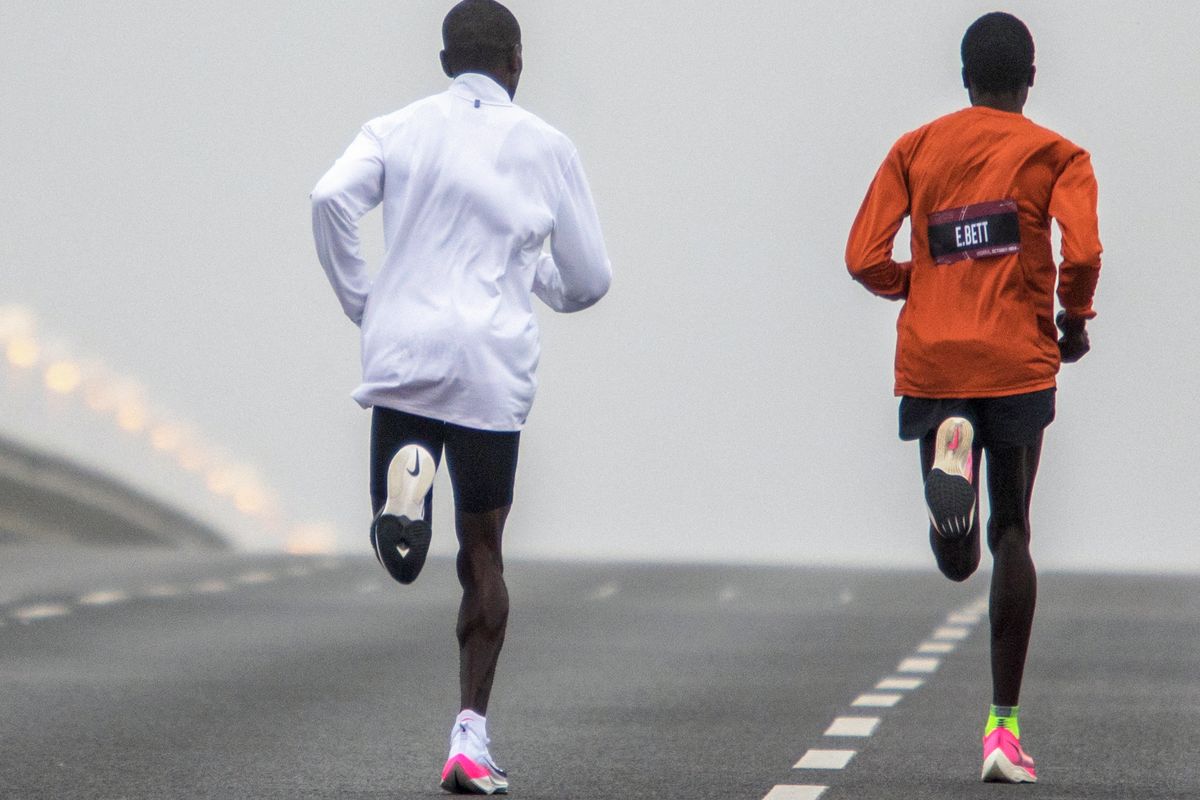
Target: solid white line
point(936, 647)
point(877, 700)
point(825, 759)
point(794, 792)
point(604, 591)
point(29, 614)
point(103, 598)
point(919, 665)
point(852, 726)
point(952, 632)
point(903, 684)
point(211, 586)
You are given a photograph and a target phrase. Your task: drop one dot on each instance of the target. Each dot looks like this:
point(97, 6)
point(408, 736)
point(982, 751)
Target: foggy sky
point(731, 398)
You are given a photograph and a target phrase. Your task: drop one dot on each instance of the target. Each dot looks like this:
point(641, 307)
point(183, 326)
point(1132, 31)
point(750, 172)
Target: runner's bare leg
point(483, 615)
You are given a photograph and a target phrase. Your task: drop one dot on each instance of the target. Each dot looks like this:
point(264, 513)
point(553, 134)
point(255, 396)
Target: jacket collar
point(476, 86)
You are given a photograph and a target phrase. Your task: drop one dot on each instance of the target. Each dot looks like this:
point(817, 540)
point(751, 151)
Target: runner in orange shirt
point(977, 351)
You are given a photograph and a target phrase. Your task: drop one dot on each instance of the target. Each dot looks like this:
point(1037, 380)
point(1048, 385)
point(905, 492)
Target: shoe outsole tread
point(949, 494)
point(951, 502)
point(401, 545)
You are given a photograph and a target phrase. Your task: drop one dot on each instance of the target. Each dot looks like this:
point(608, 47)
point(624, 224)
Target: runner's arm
point(1073, 206)
point(351, 188)
point(869, 248)
point(576, 272)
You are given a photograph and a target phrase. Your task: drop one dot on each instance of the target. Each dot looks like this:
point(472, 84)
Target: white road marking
point(369, 587)
point(919, 665)
point(936, 647)
point(162, 590)
point(951, 633)
point(846, 597)
point(33, 613)
point(877, 700)
point(255, 577)
point(825, 759)
point(852, 726)
point(211, 586)
point(902, 684)
point(963, 618)
point(728, 594)
point(604, 591)
point(794, 792)
point(103, 598)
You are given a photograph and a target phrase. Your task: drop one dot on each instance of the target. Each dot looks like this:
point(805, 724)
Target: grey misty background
point(731, 398)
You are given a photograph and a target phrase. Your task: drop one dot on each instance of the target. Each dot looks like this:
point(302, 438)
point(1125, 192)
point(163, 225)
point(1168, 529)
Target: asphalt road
point(137, 674)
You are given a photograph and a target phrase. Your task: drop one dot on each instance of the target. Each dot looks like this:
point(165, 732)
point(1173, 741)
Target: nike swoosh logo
point(417, 471)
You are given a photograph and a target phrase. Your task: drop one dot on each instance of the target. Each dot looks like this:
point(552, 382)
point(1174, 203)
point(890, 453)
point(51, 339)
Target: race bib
point(977, 231)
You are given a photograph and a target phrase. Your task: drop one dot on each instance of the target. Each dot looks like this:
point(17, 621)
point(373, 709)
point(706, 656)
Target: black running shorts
point(482, 464)
point(1013, 421)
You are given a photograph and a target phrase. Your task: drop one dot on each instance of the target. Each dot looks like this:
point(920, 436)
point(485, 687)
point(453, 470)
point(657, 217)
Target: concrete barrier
point(45, 497)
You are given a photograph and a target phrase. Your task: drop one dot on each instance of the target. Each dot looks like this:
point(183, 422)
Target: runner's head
point(482, 36)
point(997, 57)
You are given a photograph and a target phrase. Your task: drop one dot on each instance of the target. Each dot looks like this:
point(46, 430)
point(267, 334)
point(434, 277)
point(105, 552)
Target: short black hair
point(479, 34)
point(997, 53)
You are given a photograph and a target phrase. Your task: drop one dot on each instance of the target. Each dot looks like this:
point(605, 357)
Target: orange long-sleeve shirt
point(980, 186)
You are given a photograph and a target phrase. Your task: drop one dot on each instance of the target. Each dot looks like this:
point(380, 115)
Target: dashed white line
point(952, 633)
point(936, 647)
point(877, 700)
point(963, 618)
point(604, 591)
point(108, 597)
point(919, 665)
point(103, 598)
point(852, 726)
point(825, 759)
point(728, 594)
point(902, 684)
point(795, 792)
point(33, 613)
point(254, 578)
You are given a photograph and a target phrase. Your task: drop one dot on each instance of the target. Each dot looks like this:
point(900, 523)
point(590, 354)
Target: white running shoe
point(949, 494)
point(400, 534)
point(470, 768)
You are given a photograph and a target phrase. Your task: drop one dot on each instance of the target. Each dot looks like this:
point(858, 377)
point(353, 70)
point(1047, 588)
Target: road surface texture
point(158, 674)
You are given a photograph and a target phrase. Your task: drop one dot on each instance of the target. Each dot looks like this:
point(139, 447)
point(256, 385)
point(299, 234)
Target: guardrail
point(49, 498)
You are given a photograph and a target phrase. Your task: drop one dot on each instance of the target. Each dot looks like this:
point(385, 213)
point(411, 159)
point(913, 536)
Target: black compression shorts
point(1013, 421)
point(483, 464)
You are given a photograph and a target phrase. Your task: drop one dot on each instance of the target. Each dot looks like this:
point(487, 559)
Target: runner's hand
point(1073, 344)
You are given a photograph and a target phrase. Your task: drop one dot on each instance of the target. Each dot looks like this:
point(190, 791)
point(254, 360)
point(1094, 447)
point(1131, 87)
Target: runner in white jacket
point(472, 186)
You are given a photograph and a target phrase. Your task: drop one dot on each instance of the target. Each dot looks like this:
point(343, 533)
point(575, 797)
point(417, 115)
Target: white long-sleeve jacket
point(471, 186)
